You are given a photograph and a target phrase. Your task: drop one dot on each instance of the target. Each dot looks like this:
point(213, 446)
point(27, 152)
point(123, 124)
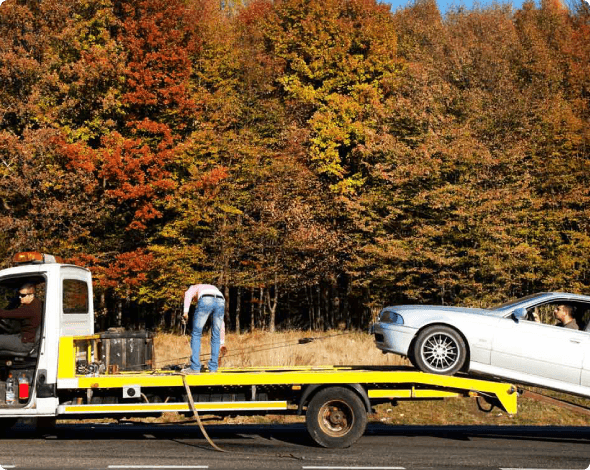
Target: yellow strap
point(196, 413)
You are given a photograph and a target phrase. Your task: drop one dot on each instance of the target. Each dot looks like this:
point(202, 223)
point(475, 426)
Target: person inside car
point(564, 313)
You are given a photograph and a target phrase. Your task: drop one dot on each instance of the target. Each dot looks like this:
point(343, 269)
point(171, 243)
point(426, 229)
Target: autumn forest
point(315, 159)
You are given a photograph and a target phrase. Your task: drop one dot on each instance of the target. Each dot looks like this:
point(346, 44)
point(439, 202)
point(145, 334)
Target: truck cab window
point(75, 296)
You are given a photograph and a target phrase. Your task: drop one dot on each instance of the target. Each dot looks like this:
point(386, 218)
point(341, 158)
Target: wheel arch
point(311, 390)
point(465, 367)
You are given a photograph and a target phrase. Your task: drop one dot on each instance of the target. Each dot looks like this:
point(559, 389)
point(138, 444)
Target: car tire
point(412, 359)
point(440, 350)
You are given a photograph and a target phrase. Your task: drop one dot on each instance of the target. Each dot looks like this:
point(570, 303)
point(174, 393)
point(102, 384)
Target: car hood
point(418, 315)
point(445, 309)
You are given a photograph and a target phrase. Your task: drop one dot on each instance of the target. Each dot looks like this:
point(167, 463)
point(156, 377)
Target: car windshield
point(514, 302)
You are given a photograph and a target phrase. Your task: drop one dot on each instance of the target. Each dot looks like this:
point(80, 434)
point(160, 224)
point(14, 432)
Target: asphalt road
point(132, 446)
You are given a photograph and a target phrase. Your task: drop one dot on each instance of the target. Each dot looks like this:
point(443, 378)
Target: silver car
point(508, 341)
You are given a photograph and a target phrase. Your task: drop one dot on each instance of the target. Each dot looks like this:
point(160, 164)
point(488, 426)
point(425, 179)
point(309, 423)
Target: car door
point(586, 362)
point(546, 351)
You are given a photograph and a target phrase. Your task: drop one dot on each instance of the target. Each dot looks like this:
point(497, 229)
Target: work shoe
point(189, 371)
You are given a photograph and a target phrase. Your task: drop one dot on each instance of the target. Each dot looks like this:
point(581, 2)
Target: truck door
point(77, 313)
point(18, 358)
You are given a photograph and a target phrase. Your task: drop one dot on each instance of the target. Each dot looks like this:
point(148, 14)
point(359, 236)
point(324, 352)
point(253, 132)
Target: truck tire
point(45, 424)
point(7, 423)
point(336, 417)
point(440, 350)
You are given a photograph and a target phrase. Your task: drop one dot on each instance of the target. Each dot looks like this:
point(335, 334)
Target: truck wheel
point(336, 417)
point(45, 425)
point(440, 350)
point(7, 423)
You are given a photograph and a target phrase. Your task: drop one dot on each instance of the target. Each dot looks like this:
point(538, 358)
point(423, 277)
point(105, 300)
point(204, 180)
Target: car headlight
point(389, 316)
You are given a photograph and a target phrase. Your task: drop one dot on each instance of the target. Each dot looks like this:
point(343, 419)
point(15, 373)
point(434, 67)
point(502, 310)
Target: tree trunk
point(261, 308)
point(346, 303)
point(252, 310)
point(319, 318)
point(102, 312)
point(238, 309)
point(226, 295)
point(310, 307)
point(272, 305)
point(327, 297)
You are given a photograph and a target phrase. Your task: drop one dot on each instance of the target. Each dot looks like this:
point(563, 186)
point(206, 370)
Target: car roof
point(540, 298)
point(532, 299)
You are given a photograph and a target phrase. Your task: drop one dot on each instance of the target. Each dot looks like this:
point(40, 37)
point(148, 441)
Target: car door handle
point(577, 341)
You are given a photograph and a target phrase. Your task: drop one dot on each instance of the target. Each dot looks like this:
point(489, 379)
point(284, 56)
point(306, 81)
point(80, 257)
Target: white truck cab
point(65, 292)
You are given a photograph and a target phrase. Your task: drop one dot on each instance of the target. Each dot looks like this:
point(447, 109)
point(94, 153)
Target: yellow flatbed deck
point(380, 383)
point(335, 399)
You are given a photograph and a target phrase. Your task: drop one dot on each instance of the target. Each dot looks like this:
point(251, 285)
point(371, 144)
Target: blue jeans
point(206, 307)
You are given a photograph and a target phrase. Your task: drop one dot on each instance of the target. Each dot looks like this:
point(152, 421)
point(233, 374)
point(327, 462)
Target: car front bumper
point(393, 338)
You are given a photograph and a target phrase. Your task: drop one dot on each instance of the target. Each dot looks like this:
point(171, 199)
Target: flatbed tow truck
point(72, 373)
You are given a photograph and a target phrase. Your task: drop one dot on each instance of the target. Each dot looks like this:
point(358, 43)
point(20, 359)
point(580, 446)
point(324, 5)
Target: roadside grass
point(263, 349)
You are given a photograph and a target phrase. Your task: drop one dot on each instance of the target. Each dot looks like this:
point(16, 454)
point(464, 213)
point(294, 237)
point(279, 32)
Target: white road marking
point(159, 466)
point(353, 468)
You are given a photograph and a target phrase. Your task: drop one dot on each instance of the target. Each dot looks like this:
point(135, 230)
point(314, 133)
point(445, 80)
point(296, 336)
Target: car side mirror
point(518, 314)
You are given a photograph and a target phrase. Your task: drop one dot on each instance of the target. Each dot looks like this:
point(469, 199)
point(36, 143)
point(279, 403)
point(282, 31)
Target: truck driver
point(29, 314)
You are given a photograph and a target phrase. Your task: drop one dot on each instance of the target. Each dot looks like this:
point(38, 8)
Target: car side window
point(585, 319)
point(542, 314)
point(547, 315)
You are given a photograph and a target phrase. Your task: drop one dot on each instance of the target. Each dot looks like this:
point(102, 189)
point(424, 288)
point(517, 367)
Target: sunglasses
point(23, 295)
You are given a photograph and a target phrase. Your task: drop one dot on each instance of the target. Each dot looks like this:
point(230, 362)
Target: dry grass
point(263, 349)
